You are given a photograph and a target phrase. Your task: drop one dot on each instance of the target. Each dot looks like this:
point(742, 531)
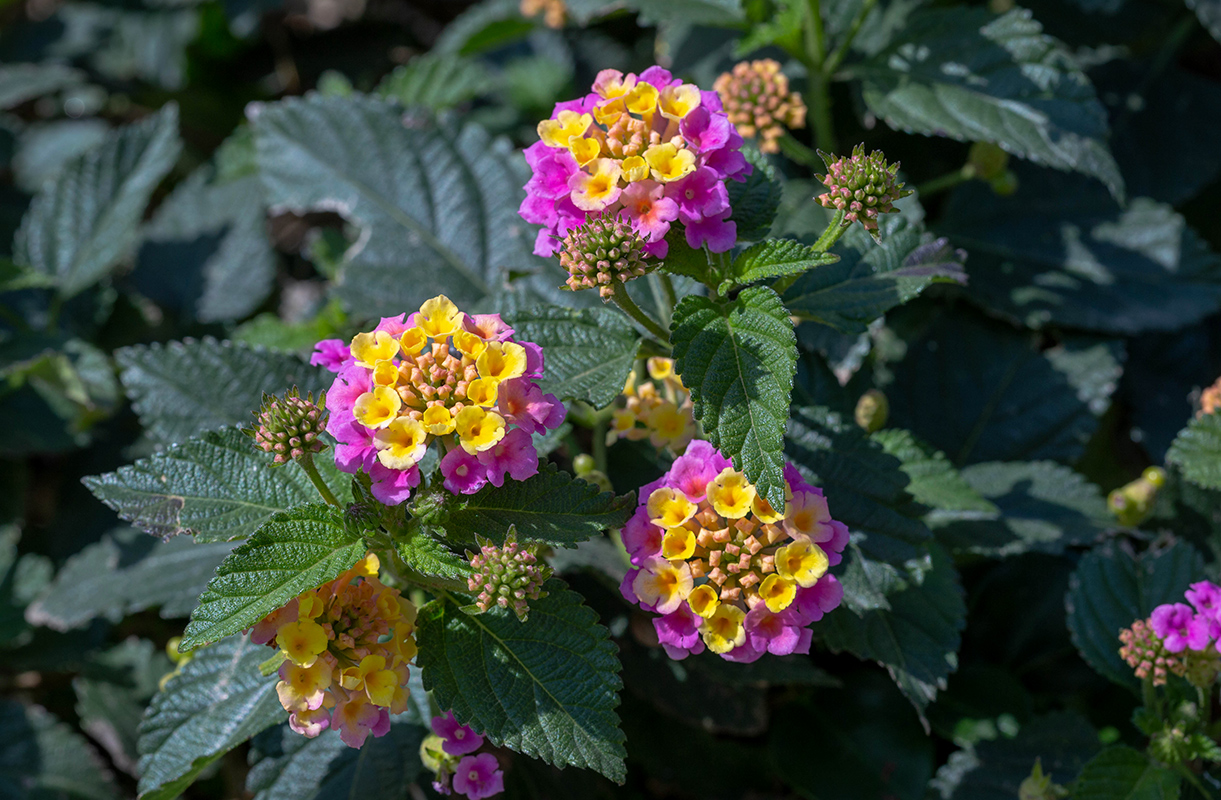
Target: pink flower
point(392, 486)
point(700, 195)
point(1171, 623)
point(355, 450)
point(514, 455)
point(641, 538)
point(394, 325)
point(479, 776)
point(265, 629)
point(523, 404)
point(355, 718)
point(534, 360)
point(651, 212)
point(679, 633)
point(660, 77)
point(692, 471)
point(459, 739)
point(775, 633)
point(1205, 596)
point(552, 169)
point(311, 722)
point(489, 326)
point(350, 383)
point(332, 354)
point(810, 604)
point(720, 235)
point(729, 161)
point(463, 472)
point(704, 129)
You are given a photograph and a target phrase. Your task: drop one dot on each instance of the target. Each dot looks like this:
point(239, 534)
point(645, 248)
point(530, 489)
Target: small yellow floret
point(303, 687)
point(660, 368)
point(482, 392)
point(413, 340)
point(608, 112)
point(670, 508)
point(438, 420)
point(370, 348)
point(668, 163)
point(439, 317)
point(594, 192)
point(678, 544)
point(401, 444)
point(634, 168)
point(378, 408)
point(763, 510)
point(310, 605)
point(724, 631)
point(584, 150)
point(302, 641)
point(663, 584)
point(731, 494)
point(501, 361)
point(469, 344)
point(777, 593)
point(385, 373)
point(802, 561)
point(367, 567)
point(479, 430)
point(567, 124)
point(703, 601)
point(642, 99)
point(676, 102)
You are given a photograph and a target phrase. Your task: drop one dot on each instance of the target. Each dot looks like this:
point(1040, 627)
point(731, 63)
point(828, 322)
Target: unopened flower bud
point(1133, 503)
point(290, 427)
point(602, 251)
point(508, 576)
point(1039, 786)
point(988, 161)
point(861, 186)
point(872, 410)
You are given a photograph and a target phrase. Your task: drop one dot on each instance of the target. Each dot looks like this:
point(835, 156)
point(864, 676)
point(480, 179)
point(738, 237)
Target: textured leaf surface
point(216, 702)
point(587, 353)
point(438, 211)
point(917, 638)
point(295, 551)
point(41, 757)
point(934, 481)
point(981, 391)
point(428, 556)
point(436, 81)
point(772, 259)
point(966, 74)
point(85, 221)
point(1111, 589)
point(180, 389)
point(22, 82)
point(1197, 451)
point(1060, 251)
point(217, 487)
point(738, 358)
point(551, 507)
point(1037, 506)
point(124, 573)
point(546, 687)
point(755, 200)
point(1121, 773)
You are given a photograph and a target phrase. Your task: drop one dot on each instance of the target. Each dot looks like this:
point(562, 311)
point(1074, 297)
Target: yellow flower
point(623, 420)
point(479, 430)
point(634, 168)
point(438, 420)
point(676, 102)
point(777, 593)
point(372, 676)
point(611, 84)
point(378, 408)
point(801, 561)
point(597, 191)
point(668, 163)
point(482, 392)
point(385, 373)
point(302, 641)
point(310, 605)
point(401, 444)
point(723, 631)
point(370, 348)
point(670, 425)
point(807, 515)
point(670, 508)
point(501, 361)
point(703, 601)
point(642, 99)
point(303, 687)
point(763, 510)
point(731, 494)
point(678, 544)
point(413, 340)
point(663, 584)
point(584, 150)
point(439, 317)
point(559, 131)
point(367, 567)
point(660, 368)
point(469, 344)
point(608, 112)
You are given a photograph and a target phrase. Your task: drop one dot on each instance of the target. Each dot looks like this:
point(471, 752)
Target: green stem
point(1193, 780)
point(625, 302)
point(599, 441)
point(667, 288)
point(841, 52)
point(829, 237)
point(307, 463)
point(818, 89)
point(798, 152)
point(946, 181)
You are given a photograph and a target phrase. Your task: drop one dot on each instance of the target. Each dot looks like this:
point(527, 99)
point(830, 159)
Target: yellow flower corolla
point(703, 601)
point(676, 102)
point(401, 444)
point(642, 99)
point(668, 163)
point(763, 510)
point(367, 567)
point(678, 543)
point(302, 641)
point(731, 494)
point(501, 361)
point(385, 373)
point(724, 631)
point(584, 150)
point(670, 425)
point(304, 688)
point(663, 584)
point(801, 561)
point(439, 317)
point(479, 430)
point(670, 508)
point(469, 344)
point(660, 368)
point(611, 84)
point(597, 191)
point(634, 168)
point(378, 408)
point(623, 420)
point(608, 112)
point(808, 515)
point(559, 132)
point(310, 605)
point(413, 340)
point(372, 347)
point(438, 420)
point(372, 676)
point(482, 392)
point(777, 593)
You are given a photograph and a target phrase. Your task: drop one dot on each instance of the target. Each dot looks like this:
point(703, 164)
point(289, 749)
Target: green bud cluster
point(290, 427)
point(861, 186)
point(600, 252)
point(508, 576)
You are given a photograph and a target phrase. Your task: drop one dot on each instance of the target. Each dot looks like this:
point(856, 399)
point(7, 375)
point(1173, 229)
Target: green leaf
point(435, 206)
point(294, 552)
point(866, 487)
point(41, 757)
point(1061, 252)
point(14, 276)
point(982, 391)
point(215, 703)
point(216, 488)
point(1197, 451)
point(546, 687)
point(1209, 12)
point(773, 258)
point(1111, 589)
point(287, 766)
point(975, 77)
point(551, 507)
point(22, 82)
point(739, 357)
point(917, 637)
point(112, 693)
point(1037, 506)
point(755, 200)
point(22, 578)
point(426, 555)
point(436, 81)
point(124, 573)
point(588, 353)
point(85, 221)
point(1121, 773)
point(934, 481)
point(180, 389)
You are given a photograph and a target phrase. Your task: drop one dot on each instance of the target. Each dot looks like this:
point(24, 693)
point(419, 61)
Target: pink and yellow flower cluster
point(450, 753)
point(438, 375)
point(658, 409)
point(647, 148)
point(724, 569)
point(346, 646)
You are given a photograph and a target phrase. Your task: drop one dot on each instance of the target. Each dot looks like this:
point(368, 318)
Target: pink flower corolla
point(457, 739)
point(524, 404)
point(479, 776)
point(463, 472)
point(356, 718)
point(332, 354)
point(679, 633)
point(648, 209)
point(514, 455)
point(1172, 623)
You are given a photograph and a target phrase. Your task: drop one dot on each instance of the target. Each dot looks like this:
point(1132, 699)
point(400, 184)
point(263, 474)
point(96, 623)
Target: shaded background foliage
point(177, 226)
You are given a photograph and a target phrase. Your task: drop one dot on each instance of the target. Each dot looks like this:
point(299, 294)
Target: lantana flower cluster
point(658, 409)
point(724, 569)
point(437, 376)
point(346, 646)
point(1210, 399)
point(648, 148)
point(509, 576)
point(760, 103)
point(449, 752)
point(1146, 654)
point(1179, 638)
